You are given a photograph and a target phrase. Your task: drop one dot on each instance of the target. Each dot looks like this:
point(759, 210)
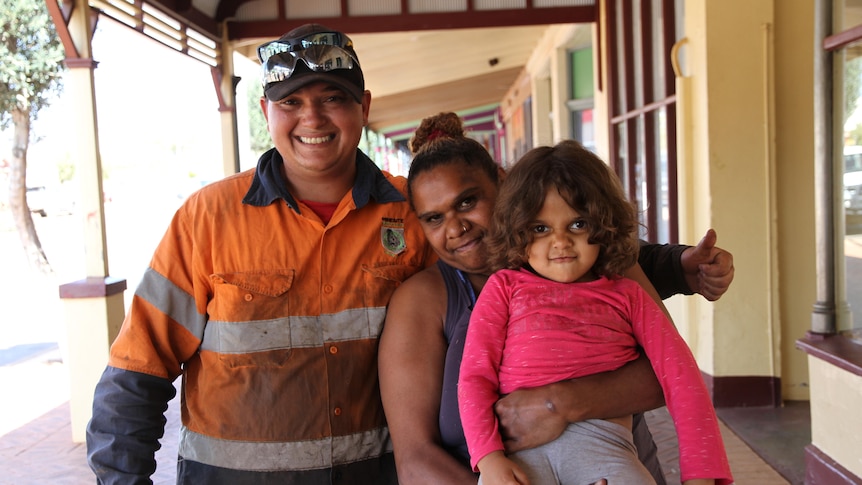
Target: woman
point(452, 186)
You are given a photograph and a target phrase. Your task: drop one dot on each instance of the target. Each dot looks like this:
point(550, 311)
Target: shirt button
point(337, 411)
point(327, 289)
point(249, 297)
point(333, 349)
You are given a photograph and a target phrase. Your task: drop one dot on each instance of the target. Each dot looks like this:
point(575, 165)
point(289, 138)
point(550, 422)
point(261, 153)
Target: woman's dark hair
point(587, 184)
point(440, 140)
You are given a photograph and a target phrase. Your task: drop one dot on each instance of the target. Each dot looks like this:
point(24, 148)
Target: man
point(267, 295)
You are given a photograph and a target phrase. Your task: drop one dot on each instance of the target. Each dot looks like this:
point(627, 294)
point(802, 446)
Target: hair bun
point(436, 127)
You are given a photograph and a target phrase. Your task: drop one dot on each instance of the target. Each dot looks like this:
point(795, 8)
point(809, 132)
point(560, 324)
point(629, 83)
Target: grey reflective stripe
point(283, 456)
point(354, 324)
point(171, 300)
point(292, 332)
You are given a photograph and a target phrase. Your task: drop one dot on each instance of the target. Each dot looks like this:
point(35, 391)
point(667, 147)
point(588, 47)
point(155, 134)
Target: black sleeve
point(128, 421)
point(662, 264)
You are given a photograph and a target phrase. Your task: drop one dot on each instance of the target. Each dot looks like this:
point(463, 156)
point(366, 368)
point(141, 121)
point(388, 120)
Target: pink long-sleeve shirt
point(527, 331)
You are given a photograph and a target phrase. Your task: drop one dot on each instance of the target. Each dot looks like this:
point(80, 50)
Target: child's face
point(559, 250)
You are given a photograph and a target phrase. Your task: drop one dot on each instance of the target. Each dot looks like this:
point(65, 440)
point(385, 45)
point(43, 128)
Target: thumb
point(705, 246)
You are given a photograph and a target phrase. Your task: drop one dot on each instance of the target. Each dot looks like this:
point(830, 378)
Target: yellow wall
point(728, 181)
point(795, 176)
point(836, 397)
point(752, 144)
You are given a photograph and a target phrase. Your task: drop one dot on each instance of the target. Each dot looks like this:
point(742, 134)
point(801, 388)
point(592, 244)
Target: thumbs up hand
point(708, 268)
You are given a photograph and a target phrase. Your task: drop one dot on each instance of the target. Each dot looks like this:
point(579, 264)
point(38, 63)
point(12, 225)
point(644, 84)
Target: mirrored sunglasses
point(319, 58)
point(336, 39)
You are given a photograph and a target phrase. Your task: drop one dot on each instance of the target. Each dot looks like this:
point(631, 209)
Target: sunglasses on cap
point(318, 58)
point(335, 39)
point(321, 52)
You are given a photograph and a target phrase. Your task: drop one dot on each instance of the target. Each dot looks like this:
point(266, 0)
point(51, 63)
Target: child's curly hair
point(587, 184)
point(441, 139)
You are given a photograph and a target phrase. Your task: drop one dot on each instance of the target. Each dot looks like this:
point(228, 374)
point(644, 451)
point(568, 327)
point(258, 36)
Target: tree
point(30, 76)
point(260, 140)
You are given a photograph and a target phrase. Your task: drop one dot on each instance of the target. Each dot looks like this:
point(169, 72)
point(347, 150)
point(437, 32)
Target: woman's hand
point(708, 268)
point(528, 418)
point(533, 417)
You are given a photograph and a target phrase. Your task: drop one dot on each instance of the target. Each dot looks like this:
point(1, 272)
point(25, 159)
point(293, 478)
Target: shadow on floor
point(778, 435)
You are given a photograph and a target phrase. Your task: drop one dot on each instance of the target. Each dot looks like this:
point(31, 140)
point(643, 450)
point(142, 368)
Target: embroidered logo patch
point(392, 236)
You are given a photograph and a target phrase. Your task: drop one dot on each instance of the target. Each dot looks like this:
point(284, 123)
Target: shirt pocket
point(381, 281)
point(249, 296)
point(249, 323)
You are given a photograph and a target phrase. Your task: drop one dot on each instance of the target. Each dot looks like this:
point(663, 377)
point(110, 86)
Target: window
point(581, 100)
point(642, 106)
point(849, 164)
point(842, 210)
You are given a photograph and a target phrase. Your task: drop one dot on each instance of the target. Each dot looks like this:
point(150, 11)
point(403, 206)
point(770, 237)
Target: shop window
point(581, 99)
point(642, 105)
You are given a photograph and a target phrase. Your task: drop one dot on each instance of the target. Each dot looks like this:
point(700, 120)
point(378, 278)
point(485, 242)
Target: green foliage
point(854, 136)
point(31, 57)
point(259, 135)
point(65, 170)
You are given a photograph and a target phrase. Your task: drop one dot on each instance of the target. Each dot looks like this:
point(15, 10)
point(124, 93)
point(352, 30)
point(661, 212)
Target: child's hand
point(496, 469)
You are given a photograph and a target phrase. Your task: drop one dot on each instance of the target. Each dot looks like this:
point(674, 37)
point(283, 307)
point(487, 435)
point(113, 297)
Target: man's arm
point(411, 362)
point(128, 421)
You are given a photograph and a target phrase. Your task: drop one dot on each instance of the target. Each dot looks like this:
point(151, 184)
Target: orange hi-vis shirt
point(273, 319)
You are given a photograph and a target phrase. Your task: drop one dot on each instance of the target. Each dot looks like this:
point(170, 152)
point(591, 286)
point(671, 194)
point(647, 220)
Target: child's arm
point(496, 469)
point(478, 382)
point(701, 449)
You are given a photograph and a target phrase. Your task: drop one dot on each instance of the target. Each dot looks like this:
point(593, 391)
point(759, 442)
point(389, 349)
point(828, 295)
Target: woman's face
point(454, 204)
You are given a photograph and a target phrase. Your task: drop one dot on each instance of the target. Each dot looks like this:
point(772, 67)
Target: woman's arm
point(531, 417)
point(411, 362)
point(676, 269)
point(701, 451)
point(708, 268)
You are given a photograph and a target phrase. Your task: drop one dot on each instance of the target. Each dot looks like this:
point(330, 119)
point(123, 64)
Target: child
point(558, 309)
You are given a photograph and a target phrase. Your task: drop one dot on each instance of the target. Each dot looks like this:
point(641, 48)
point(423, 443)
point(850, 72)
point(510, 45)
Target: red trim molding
point(743, 391)
point(81, 62)
point(843, 39)
point(406, 21)
point(837, 350)
point(820, 468)
point(93, 287)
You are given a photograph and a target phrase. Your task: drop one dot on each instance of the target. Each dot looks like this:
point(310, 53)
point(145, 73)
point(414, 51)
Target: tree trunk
point(18, 193)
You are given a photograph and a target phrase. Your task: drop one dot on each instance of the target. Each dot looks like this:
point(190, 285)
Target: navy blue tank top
point(459, 295)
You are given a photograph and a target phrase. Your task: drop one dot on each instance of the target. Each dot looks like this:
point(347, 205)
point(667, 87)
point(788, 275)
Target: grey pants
point(585, 453)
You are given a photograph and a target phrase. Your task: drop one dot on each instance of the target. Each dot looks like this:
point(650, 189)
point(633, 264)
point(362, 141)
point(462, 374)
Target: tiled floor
point(747, 467)
point(779, 435)
point(39, 450)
